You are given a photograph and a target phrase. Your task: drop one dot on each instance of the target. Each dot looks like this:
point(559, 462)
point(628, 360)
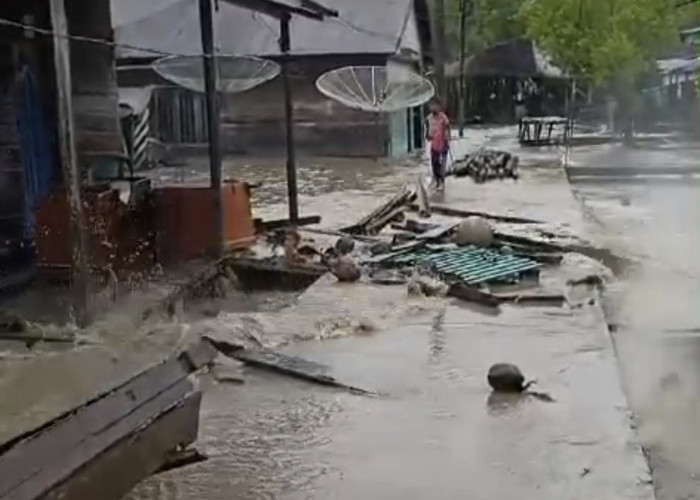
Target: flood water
point(278, 438)
point(436, 434)
point(655, 219)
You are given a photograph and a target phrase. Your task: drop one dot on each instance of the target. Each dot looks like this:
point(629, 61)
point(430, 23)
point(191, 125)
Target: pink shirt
point(438, 128)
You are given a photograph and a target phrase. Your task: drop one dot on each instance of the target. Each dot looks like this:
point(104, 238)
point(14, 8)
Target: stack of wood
point(488, 164)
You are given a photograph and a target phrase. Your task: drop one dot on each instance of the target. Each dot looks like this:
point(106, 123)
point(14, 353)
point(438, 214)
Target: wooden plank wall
point(253, 122)
point(95, 96)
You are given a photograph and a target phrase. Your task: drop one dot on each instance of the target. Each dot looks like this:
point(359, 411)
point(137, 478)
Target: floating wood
point(472, 294)
point(376, 220)
point(455, 212)
point(182, 458)
point(104, 447)
point(262, 226)
point(529, 242)
point(287, 365)
point(532, 298)
point(438, 232)
point(275, 274)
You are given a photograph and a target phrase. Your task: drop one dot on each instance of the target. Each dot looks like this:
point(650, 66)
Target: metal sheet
point(470, 264)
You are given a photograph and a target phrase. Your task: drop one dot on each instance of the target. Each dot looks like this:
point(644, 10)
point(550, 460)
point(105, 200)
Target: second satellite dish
point(379, 89)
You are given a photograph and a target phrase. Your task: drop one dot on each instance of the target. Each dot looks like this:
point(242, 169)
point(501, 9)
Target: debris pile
point(486, 165)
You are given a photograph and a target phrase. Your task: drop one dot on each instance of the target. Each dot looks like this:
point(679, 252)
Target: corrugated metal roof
point(363, 26)
point(470, 264)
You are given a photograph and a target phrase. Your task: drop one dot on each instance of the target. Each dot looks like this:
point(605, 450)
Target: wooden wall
point(95, 96)
point(253, 124)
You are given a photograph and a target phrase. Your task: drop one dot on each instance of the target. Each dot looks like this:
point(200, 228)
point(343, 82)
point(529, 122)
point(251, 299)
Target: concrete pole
point(213, 105)
point(69, 163)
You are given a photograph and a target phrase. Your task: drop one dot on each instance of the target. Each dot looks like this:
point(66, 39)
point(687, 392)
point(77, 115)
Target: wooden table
point(537, 131)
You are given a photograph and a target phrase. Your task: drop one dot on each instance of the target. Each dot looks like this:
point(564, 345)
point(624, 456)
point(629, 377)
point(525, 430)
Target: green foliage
point(608, 41)
point(488, 22)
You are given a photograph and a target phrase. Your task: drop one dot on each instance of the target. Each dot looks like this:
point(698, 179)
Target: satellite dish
point(379, 89)
point(236, 73)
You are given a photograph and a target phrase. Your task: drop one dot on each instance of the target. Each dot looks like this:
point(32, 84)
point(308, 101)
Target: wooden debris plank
point(455, 212)
point(472, 294)
point(182, 458)
point(262, 226)
point(382, 213)
point(57, 463)
point(116, 471)
point(287, 365)
point(438, 232)
point(529, 298)
point(529, 242)
point(52, 454)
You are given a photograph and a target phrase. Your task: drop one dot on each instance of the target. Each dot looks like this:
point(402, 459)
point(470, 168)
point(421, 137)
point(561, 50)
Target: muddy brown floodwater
point(275, 438)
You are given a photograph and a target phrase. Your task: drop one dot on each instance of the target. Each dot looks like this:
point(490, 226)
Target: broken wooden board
point(275, 274)
point(472, 294)
point(383, 215)
point(553, 299)
point(437, 232)
point(104, 447)
point(263, 226)
point(292, 366)
point(455, 212)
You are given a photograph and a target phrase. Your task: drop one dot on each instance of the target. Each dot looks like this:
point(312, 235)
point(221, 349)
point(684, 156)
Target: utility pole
point(439, 55)
point(69, 162)
point(292, 194)
point(461, 89)
point(206, 24)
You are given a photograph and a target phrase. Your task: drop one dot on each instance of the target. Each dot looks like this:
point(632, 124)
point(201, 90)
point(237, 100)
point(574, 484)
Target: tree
point(489, 22)
point(609, 42)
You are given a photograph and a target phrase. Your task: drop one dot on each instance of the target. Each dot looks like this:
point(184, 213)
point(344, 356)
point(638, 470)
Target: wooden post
point(289, 122)
point(206, 23)
point(439, 47)
point(462, 37)
point(69, 162)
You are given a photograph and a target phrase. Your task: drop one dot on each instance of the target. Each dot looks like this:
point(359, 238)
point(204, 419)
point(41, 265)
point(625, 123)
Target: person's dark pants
point(437, 163)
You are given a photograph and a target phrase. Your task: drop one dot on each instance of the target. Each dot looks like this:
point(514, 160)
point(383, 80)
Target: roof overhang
point(278, 9)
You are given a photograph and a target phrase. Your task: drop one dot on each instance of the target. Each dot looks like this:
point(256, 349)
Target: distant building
point(368, 32)
point(691, 37)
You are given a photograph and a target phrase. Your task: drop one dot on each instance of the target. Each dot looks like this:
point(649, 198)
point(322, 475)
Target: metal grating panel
point(470, 264)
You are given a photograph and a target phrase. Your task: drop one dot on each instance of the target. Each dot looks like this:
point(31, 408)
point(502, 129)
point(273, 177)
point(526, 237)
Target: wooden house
point(29, 161)
point(367, 32)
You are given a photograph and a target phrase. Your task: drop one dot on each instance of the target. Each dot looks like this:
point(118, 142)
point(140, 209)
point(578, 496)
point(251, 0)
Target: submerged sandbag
point(474, 230)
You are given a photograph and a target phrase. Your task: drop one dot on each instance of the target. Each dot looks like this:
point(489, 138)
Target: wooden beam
point(213, 101)
point(104, 447)
point(69, 161)
point(276, 9)
point(289, 123)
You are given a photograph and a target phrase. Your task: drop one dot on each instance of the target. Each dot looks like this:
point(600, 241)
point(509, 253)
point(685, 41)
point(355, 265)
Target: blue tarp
point(37, 149)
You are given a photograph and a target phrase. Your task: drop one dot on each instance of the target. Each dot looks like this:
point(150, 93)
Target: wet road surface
point(655, 219)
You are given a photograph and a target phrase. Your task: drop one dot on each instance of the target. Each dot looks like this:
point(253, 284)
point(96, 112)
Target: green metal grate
point(470, 264)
